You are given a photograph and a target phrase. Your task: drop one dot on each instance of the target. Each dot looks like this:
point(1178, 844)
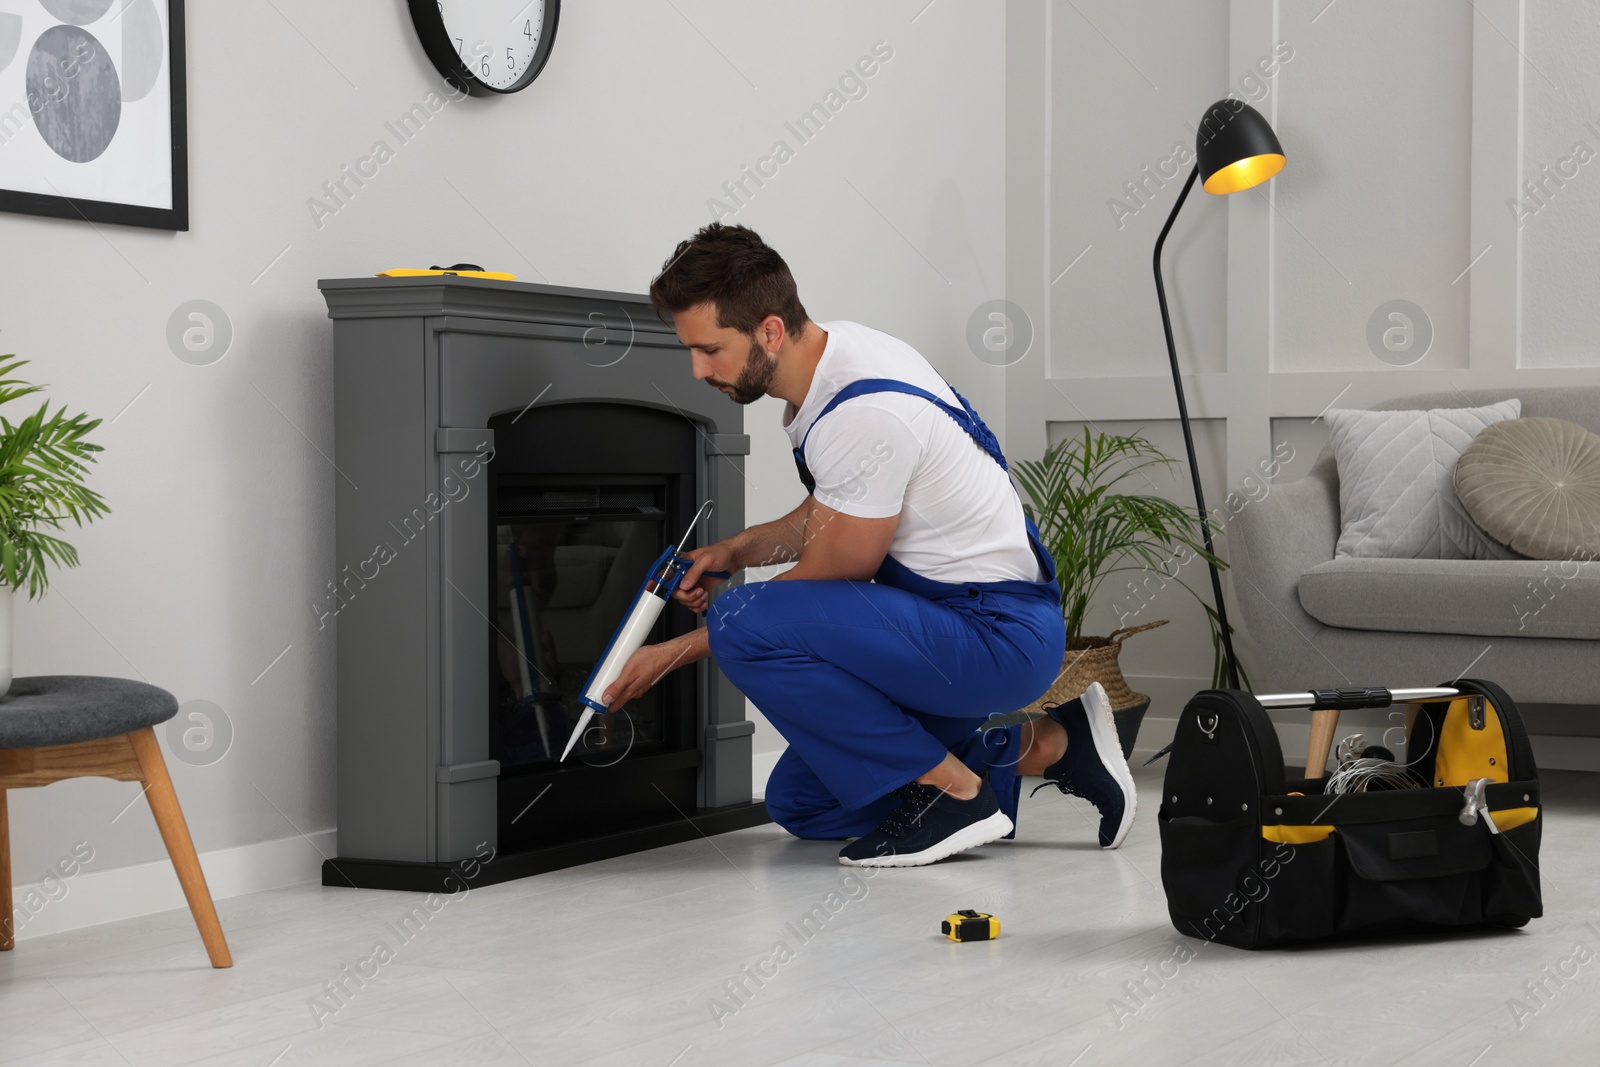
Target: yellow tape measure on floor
point(969, 925)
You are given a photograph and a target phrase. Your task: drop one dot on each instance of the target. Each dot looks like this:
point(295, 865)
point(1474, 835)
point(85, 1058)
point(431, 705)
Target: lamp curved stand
point(1188, 437)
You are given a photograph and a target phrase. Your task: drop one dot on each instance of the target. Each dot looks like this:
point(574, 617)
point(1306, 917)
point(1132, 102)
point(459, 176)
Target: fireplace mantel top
point(444, 294)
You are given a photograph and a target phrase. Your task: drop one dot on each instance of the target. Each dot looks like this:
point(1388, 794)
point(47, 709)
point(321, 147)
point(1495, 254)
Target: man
point(920, 602)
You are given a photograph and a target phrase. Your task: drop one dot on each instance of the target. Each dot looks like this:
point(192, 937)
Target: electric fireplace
point(511, 460)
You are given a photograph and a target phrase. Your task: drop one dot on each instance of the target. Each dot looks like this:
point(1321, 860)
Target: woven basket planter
point(1094, 659)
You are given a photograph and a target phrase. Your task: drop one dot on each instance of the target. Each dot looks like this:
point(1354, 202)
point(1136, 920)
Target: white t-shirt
point(886, 454)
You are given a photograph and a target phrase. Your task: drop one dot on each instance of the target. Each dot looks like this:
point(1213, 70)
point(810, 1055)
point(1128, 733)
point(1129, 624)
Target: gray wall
point(1408, 128)
point(221, 478)
point(978, 165)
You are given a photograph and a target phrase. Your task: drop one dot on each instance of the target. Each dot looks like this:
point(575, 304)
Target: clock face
point(487, 46)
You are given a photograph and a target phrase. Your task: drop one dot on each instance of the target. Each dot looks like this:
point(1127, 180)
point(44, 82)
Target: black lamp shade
point(1236, 148)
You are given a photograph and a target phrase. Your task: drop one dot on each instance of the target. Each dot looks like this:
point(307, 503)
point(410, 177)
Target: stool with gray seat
point(54, 727)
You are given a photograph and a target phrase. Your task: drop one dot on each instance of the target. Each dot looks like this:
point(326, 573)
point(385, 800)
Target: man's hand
point(644, 669)
point(693, 592)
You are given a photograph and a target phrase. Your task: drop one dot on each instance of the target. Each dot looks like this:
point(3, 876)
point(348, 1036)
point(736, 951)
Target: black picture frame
point(174, 218)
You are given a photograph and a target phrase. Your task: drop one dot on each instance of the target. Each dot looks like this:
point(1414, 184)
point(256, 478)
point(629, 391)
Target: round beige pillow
point(1534, 486)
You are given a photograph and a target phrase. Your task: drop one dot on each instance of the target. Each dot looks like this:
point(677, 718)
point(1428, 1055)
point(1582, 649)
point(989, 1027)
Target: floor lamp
point(1235, 149)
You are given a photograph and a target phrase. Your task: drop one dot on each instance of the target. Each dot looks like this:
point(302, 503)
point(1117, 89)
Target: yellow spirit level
point(969, 925)
point(464, 270)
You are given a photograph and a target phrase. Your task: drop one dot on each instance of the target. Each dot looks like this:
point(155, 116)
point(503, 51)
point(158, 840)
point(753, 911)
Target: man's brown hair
point(732, 267)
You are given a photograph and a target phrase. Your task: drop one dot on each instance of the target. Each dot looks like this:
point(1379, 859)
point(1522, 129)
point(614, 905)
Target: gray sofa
point(1529, 625)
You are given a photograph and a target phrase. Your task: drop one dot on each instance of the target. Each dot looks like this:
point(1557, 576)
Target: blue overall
point(873, 682)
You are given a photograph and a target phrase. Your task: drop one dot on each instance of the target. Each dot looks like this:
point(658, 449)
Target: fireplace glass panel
point(569, 560)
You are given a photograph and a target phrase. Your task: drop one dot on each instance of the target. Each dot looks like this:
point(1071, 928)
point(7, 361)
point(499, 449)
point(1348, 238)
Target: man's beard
point(753, 381)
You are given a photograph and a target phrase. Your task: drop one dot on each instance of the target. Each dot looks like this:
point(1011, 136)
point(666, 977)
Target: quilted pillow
point(1534, 484)
point(1397, 499)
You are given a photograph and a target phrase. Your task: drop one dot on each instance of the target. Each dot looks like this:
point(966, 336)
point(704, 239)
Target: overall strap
point(965, 417)
point(969, 421)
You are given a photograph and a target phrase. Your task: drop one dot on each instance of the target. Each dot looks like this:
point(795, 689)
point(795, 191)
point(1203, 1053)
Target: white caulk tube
point(658, 587)
point(629, 640)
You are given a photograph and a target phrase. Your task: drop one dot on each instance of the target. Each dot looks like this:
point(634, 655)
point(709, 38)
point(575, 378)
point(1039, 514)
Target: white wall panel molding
point(1410, 129)
point(1495, 280)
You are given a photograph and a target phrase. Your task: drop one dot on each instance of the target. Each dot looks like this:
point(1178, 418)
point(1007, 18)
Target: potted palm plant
point(43, 461)
point(1094, 527)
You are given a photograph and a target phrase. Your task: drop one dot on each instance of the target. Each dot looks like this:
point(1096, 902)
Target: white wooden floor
point(628, 961)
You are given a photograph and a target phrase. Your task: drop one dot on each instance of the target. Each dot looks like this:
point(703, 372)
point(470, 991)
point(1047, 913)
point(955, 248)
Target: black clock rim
point(435, 38)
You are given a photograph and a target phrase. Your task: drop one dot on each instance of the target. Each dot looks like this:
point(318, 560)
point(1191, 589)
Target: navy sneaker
point(1094, 767)
point(929, 825)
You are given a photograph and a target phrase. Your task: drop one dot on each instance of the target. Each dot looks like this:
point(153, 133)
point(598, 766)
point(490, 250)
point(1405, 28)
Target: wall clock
point(487, 46)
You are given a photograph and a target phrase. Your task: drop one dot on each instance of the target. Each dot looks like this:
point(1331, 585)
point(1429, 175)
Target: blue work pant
point(872, 684)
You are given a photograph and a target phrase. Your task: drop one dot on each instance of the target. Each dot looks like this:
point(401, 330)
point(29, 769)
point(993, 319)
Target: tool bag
point(1253, 859)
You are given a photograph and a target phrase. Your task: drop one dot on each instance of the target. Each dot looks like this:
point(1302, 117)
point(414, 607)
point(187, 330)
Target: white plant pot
point(7, 631)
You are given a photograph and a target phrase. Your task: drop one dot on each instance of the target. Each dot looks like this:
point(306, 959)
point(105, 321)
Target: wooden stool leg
point(1323, 723)
point(8, 917)
point(175, 832)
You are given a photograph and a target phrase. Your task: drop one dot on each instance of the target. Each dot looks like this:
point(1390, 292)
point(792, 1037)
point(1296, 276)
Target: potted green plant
point(1095, 528)
point(43, 461)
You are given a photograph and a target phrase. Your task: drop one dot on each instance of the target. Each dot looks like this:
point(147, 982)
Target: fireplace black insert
point(585, 497)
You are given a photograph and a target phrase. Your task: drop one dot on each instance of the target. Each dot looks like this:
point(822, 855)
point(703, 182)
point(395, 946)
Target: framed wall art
point(93, 111)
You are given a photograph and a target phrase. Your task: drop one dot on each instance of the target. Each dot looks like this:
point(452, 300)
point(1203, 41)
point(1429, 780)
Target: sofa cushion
point(1396, 497)
point(1489, 598)
point(1534, 485)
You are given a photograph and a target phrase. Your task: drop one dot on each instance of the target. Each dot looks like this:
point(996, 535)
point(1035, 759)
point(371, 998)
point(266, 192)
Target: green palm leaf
point(1083, 497)
point(44, 460)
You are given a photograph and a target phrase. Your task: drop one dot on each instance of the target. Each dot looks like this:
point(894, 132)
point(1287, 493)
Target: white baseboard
point(761, 765)
point(92, 897)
